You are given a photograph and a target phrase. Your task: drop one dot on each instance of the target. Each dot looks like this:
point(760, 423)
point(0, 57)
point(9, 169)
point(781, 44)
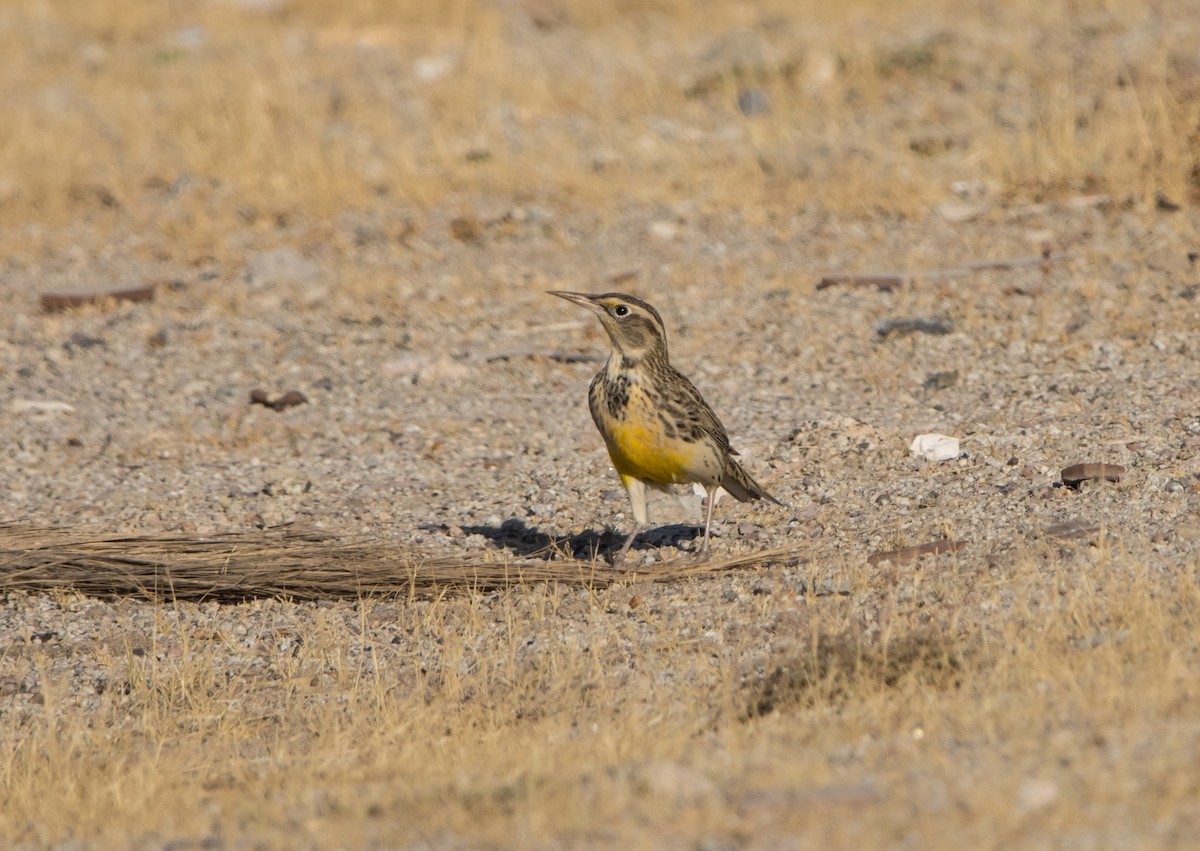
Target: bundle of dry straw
point(285, 561)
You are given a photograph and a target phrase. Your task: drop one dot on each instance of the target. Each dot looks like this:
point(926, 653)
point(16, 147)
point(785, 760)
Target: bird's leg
point(711, 501)
point(636, 489)
point(620, 556)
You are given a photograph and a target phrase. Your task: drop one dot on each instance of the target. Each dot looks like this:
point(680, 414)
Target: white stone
point(935, 447)
point(40, 406)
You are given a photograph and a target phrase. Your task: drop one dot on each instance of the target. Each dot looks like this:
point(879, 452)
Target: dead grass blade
point(286, 562)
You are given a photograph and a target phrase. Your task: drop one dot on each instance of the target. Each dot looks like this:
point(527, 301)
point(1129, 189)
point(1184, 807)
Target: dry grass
point(1033, 706)
point(298, 564)
point(248, 116)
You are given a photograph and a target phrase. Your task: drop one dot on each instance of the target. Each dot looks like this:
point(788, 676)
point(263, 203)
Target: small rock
point(288, 400)
point(1174, 486)
point(430, 69)
point(933, 144)
point(1162, 202)
point(902, 327)
point(664, 230)
point(749, 530)
point(291, 486)
point(83, 340)
point(833, 588)
point(754, 102)
point(941, 380)
point(466, 229)
point(1073, 475)
point(935, 447)
point(972, 188)
point(280, 266)
point(1036, 795)
point(40, 406)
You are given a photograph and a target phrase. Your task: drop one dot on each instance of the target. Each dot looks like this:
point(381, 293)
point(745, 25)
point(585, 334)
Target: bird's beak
point(582, 299)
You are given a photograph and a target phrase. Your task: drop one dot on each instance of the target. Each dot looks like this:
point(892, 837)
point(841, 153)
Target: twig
point(557, 355)
point(64, 301)
point(909, 553)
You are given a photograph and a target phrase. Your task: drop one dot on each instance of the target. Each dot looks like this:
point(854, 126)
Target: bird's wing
point(697, 413)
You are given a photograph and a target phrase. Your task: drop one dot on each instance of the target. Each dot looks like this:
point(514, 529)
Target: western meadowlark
point(658, 429)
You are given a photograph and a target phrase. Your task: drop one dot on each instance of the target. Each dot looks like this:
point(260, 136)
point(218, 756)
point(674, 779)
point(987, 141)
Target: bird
point(658, 429)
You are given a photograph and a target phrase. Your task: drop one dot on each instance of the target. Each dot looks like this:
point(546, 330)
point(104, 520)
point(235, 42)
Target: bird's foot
point(620, 562)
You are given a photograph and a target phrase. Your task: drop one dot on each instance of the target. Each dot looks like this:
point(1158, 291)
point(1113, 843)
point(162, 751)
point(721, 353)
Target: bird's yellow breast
point(640, 445)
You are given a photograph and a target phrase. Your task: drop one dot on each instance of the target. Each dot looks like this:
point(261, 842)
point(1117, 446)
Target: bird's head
point(635, 328)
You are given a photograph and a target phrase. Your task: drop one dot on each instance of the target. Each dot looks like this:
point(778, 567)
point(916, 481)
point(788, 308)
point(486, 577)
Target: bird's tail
point(741, 484)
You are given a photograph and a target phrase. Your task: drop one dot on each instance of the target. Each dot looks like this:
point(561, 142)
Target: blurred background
point(189, 122)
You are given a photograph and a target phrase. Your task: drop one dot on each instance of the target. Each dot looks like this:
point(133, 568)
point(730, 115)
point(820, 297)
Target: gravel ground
point(450, 415)
point(446, 394)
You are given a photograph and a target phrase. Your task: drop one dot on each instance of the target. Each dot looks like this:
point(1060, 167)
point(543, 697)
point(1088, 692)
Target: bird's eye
point(620, 310)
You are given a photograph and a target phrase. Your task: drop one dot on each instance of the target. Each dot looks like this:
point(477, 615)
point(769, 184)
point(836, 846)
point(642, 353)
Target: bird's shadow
point(531, 542)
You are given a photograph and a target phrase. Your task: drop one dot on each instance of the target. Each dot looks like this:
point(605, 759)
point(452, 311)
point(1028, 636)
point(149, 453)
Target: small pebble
point(902, 327)
point(754, 102)
point(1075, 474)
point(941, 380)
point(749, 530)
point(935, 447)
point(1036, 795)
point(666, 231)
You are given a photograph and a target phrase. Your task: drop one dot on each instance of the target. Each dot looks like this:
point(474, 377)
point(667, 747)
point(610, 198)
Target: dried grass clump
point(285, 562)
